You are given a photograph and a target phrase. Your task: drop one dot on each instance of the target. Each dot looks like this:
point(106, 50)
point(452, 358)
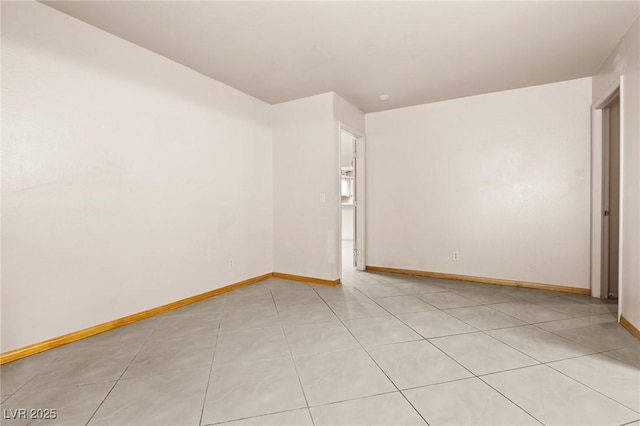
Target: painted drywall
point(501, 178)
point(128, 180)
point(624, 61)
point(347, 114)
point(305, 183)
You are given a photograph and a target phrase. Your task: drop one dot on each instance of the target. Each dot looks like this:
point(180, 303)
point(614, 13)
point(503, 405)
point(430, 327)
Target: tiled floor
point(380, 349)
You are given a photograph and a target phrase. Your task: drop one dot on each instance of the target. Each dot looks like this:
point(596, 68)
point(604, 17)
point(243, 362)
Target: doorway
point(351, 200)
point(610, 198)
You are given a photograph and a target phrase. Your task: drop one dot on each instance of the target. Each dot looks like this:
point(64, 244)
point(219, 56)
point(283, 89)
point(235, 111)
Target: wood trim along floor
point(630, 327)
point(306, 279)
point(100, 328)
point(497, 281)
point(87, 332)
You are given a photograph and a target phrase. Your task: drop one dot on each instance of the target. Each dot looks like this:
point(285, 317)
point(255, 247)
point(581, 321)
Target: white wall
point(128, 180)
point(502, 178)
point(305, 165)
point(348, 114)
point(624, 61)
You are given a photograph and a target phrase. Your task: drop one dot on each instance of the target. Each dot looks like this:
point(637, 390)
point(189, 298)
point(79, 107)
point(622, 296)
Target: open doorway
point(347, 198)
point(351, 199)
point(610, 197)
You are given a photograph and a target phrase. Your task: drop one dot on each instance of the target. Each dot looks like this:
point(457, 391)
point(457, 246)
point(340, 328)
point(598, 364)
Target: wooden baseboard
point(306, 279)
point(630, 327)
point(497, 281)
point(100, 328)
point(87, 332)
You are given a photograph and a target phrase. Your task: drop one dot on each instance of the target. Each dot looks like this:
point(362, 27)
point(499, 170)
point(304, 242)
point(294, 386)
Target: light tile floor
point(380, 349)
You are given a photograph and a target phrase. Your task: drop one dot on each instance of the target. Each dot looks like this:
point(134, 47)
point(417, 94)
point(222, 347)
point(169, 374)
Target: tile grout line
point(510, 400)
point(374, 361)
point(213, 356)
point(546, 363)
point(589, 387)
point(251, 417)
point(536, 325)
point(492, 306)
point(498, 340)
point(29, 379)
point(529, 356)
point(572, 341)
point(115, 383)
point(530, 302)
point(427, 339)
point(295, 366)
point(442, 310)
point(540, 362)
point(576, 343)
point(477, 376)
point(457, 362)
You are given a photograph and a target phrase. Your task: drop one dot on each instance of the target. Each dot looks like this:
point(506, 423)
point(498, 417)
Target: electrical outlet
point(455, 256)
point(230, 263)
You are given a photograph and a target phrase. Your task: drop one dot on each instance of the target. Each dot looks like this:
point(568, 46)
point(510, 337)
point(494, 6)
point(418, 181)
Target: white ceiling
point(416, 52)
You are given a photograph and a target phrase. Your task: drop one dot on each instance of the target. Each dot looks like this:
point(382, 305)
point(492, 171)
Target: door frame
point(607, 228)
point(598, 127)
point(360, 186)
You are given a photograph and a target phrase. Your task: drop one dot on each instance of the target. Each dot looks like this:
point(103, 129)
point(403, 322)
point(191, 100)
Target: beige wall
point(624, 61)
point(128, 180)
point(501, 178)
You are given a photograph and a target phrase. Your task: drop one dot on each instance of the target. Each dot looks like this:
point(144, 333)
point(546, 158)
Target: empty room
point(320, 213)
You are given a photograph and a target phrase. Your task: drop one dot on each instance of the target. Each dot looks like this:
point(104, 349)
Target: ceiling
point(416, 52)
